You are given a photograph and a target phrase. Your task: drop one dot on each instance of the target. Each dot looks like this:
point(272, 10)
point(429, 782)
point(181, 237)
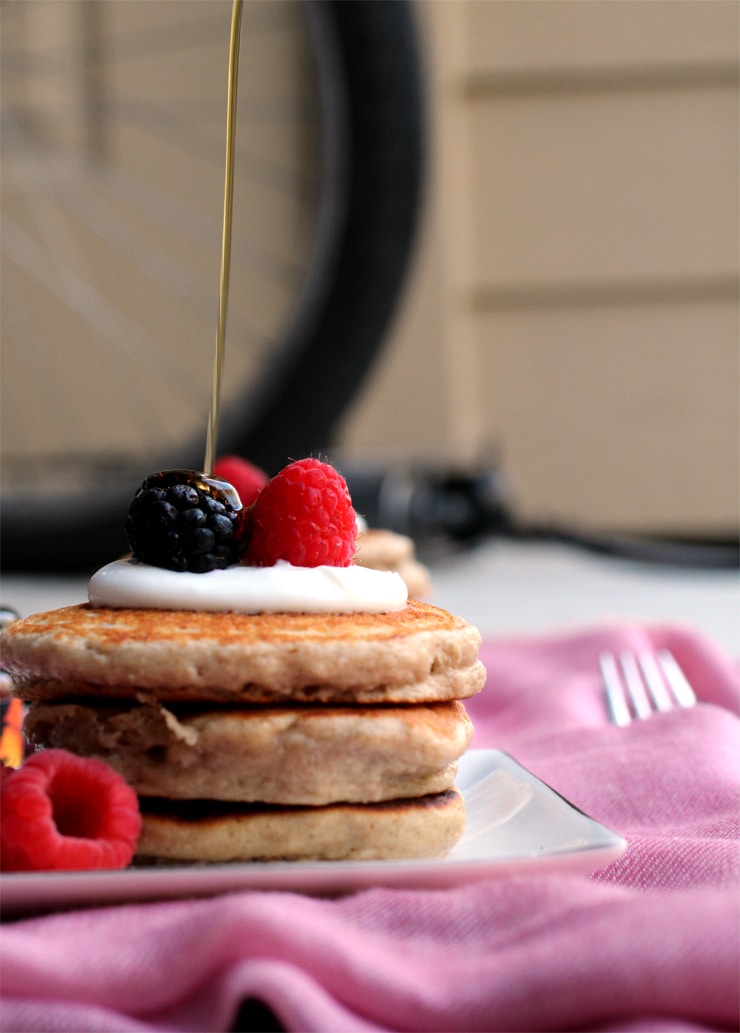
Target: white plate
point(515, 824)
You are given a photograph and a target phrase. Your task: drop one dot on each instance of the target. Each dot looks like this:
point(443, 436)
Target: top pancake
point(418, 654)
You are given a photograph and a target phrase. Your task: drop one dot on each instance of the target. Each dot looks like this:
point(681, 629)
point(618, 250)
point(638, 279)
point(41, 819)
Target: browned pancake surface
point(106, 629)
point(418, 654)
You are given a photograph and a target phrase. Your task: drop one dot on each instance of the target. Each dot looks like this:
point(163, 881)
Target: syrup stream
point(223, 298)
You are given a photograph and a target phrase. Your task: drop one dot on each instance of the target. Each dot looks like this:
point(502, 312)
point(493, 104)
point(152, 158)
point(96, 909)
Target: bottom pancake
point(204, 832)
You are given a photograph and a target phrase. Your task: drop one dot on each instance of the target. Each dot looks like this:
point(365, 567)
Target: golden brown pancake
point(288, 755)
point(382, 549)
point(204, 832)
point(418, 654)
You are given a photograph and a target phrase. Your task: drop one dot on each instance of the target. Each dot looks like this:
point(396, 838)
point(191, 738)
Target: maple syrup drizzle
point(223, 296)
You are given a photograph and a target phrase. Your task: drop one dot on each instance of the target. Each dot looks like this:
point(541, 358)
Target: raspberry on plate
point(248, 479)
point(63, 812)
point(304, 515)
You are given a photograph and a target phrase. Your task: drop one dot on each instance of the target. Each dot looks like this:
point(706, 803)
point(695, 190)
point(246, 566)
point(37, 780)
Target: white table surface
point(510, 588)
point(507, 588)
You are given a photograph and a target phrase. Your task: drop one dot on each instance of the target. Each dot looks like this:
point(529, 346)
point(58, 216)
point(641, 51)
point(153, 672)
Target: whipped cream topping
point(282, 588)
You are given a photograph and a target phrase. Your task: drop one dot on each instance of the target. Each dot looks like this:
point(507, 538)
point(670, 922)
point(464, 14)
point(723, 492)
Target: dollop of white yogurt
point(282, 588)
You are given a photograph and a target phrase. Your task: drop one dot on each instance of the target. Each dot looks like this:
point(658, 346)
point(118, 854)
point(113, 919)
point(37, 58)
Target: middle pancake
point(312, 755)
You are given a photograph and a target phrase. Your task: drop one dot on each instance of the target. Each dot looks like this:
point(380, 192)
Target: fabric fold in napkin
point(649, 943)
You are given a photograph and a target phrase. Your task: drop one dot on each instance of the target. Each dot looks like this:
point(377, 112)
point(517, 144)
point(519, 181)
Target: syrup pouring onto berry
point(186, 521)
point(182, 519)
point(233, 78)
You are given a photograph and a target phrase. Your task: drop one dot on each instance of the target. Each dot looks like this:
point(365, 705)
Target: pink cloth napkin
point(650, 943)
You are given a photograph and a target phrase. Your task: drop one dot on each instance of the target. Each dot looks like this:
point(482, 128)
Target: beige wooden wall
point(573, 311)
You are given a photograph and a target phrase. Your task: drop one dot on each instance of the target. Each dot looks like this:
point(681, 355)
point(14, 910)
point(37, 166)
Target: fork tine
point(654, 681)
point(677, 680)
point(640, 685)
point(616, 703)
point(635, 686)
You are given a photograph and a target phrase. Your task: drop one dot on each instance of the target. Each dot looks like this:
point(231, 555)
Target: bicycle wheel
point(111, 236)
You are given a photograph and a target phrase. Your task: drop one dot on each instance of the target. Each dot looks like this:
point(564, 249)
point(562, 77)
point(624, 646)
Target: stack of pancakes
point(261, 737)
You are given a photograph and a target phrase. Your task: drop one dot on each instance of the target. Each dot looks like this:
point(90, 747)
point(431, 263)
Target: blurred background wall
point(573, 311)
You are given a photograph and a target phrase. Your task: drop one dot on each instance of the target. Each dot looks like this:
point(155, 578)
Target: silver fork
point(638, 685)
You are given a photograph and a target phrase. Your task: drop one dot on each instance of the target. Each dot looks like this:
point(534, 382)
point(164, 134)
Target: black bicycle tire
point(300, 403)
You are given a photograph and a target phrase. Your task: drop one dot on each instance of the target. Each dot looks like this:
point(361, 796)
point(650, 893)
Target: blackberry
point(183, 520)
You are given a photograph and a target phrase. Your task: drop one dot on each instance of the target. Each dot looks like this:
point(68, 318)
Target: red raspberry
point(305, 516)
point(60, 811)
point(248, 479)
